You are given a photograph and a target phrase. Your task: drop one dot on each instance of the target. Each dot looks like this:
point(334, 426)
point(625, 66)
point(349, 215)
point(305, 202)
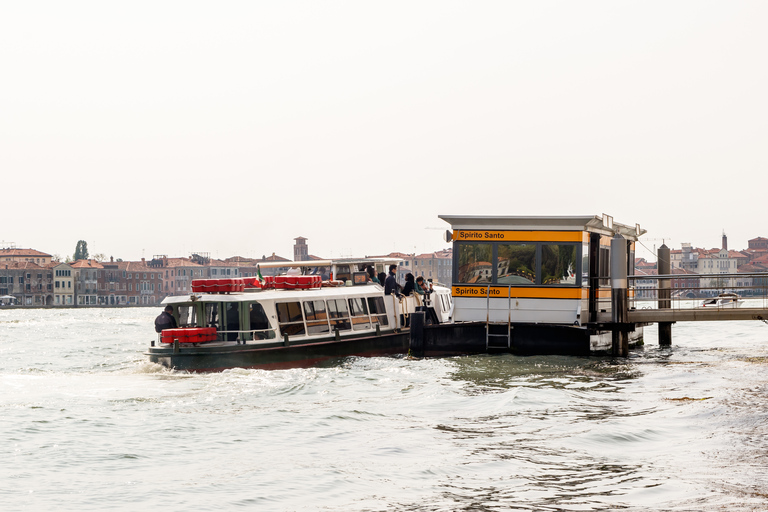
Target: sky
point(231, 128)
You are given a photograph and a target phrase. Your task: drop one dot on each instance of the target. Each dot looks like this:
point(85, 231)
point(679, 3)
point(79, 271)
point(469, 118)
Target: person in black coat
point(409, 284)
point(165, 320)
point(390, 285)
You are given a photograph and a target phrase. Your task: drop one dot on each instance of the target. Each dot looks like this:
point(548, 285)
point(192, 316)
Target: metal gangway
point(671, 297)
point(691, 297)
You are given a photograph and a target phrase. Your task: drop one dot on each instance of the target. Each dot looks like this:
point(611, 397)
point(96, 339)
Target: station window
point(516, 264)
point(519, 263)
point(604, 261)
point(475, 263)
point(558, 264)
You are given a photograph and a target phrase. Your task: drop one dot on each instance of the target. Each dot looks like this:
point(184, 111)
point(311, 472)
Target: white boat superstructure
point(724, 300)
point(294, 319)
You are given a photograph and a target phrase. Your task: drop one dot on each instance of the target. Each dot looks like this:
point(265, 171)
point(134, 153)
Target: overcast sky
point(233, 127)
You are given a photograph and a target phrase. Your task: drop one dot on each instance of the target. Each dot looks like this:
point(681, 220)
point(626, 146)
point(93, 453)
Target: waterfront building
point(25, 255)
point(642, 264)
point(222, 269)
point(646, 288)
point(758, 244)
point(175, 275)
point(30, 283)
point(246, 266)
point(719, 261)
point(113, 283)
point(86, 281)
point(437, 266)
point(750, 285)
point(63, 284)
point(148, 281)
point(685, 286)
point(686, 258)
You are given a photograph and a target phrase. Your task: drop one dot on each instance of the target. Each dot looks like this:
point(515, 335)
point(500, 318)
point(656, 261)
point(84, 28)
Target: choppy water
point(86, 423)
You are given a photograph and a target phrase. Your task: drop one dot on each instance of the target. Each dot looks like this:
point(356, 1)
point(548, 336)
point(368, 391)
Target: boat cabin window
point(337, 311)
point(516, 264)
point(290, 318)
point(443, 304)
point(359, 310)
point(378, 311)
point(212, 314)
point(259, 323)
point(187, 315)
point(342, 273)
point(317, 317)
point(232, 318)
point(258, 317)
point(475, 263)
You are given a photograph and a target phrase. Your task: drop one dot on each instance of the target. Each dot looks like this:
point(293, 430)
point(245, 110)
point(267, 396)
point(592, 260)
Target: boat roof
point(363, 290)
point(271, 295)
point(602, 224)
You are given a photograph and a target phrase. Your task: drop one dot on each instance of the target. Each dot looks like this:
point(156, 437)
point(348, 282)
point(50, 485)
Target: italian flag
point(259, 279)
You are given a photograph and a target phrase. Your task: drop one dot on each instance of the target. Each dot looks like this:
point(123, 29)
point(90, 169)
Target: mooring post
point(665, 293)
point(416, 342)
point(619, 302)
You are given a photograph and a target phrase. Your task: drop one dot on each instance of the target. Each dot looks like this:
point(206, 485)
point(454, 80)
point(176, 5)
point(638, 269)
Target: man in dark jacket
point(165, 320)
point(390, 285)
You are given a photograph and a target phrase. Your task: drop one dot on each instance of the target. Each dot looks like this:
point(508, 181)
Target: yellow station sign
point(503, 292)
point(474, 235)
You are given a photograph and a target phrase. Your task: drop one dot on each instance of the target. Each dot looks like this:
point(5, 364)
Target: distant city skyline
point(642, 250)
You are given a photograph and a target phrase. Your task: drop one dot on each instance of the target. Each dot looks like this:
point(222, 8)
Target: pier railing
point(690, 297)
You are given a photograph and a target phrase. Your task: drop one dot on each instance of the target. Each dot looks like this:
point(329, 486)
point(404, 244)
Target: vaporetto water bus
point(292, 320)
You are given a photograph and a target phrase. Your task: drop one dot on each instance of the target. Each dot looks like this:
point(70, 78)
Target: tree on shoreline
point(81, 251)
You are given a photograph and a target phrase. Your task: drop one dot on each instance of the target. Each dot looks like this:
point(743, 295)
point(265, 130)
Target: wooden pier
point(699, 302)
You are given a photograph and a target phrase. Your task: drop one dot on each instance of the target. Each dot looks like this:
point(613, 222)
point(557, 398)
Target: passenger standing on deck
point(165, 320)
point(390, 285)
point(372, 275)
point(409, 284)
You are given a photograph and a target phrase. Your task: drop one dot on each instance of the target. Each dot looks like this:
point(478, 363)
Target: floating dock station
point(547, 285)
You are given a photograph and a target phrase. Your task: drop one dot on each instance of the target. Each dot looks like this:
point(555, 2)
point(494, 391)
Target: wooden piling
point(416, 340)
point(665, 293)
point(619, 296)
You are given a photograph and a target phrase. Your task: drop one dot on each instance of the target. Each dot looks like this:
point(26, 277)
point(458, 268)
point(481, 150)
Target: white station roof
point(602, 224)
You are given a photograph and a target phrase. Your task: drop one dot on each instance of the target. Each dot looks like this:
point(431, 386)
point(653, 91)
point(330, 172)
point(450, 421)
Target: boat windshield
point(187, 315)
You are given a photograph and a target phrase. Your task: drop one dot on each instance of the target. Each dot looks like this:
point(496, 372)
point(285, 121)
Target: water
point(88, 424)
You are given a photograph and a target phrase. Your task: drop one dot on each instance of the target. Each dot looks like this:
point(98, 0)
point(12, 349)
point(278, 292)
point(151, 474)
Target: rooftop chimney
point(725, 242)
